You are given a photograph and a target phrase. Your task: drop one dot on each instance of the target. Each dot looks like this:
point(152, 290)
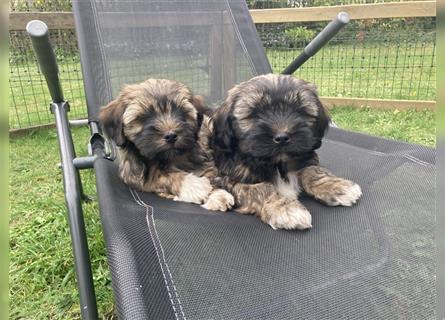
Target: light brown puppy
point(265, 136)
point(161, 132)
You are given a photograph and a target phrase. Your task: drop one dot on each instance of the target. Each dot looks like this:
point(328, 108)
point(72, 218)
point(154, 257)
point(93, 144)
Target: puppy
point(264, 140)
point(162, 134)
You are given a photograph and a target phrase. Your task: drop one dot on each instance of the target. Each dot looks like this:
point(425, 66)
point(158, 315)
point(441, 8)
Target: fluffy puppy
point(160, 130)
point(265, 136)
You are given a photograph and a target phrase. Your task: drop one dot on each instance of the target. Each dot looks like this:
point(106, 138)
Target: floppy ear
point(224, 139)
point(110, 117)
point(321, 124)
point(309, 98)
point(199, 104)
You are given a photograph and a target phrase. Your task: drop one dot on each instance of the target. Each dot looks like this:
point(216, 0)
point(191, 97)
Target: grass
point(29, 102)
point(42, 281)
point(409, 125)
point(367, 70)
point(364, 70)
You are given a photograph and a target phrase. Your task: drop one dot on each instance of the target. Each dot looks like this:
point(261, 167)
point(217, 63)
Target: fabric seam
point(394, 155)
point(161, 257)
point(102, 53)
point(240, 39)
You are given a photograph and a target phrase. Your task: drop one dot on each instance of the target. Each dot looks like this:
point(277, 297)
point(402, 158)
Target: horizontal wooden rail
point(379, 103)
point(65, 20)
point(54, 20)
point(356, 11)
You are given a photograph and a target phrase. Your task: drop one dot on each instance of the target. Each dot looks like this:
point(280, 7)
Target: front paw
point(194, 189)
point(166, 195)
point(286, 214)
point(219, 200)
point(340, 193)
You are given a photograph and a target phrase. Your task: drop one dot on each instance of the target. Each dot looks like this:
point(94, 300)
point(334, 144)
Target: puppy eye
point(150, 127)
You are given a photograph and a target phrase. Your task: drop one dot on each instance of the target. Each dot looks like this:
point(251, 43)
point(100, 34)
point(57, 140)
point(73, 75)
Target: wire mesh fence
point(29, 96)
point(385, 58)
point(374, 58)
point(65, 5)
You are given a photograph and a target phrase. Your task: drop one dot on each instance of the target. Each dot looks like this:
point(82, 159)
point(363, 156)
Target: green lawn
point(410, 125)
point(364, 70)
point(42, 282)
point(29, 96)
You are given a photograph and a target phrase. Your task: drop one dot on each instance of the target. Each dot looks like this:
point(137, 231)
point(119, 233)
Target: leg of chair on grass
point(71, 178)
point(73, 195)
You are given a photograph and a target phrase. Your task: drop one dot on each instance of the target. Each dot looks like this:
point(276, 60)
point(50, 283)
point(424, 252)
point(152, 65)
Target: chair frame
point(71, 164)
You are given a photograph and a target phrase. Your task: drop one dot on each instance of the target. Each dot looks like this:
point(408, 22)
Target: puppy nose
point(281, 138)
point(170, 137)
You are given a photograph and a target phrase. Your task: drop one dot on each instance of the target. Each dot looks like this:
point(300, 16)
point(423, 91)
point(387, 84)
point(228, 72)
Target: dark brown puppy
point(265, 137)
point(162, 137)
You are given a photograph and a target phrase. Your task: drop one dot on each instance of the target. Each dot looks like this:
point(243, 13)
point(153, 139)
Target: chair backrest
point(209, 45)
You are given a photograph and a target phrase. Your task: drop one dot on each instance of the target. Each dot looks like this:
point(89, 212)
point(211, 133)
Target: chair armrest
point(319, 42)
point(46, 58)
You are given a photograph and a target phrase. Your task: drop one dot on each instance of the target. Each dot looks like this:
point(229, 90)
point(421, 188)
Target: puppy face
point(158, 117)
point(272, 117)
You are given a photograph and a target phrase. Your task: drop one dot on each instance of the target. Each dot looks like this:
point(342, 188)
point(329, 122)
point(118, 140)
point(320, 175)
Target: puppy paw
point(342, 193)
point(219, 200)
point(194, 189)
point(165, 195)
point(290, 215)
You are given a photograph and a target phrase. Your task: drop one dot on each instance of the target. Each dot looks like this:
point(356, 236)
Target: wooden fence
point(65, 20)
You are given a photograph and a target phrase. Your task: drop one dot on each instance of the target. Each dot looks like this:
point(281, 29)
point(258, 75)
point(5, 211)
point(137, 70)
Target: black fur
point(147, 141)
point(251, 156)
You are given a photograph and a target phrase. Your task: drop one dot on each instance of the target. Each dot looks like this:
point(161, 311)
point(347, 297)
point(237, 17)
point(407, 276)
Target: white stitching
point(162, 268)
point(168, 268)
point(394, 155)
point(240, 39)
point(102, 53)
point(418, 161)
point(150, 213)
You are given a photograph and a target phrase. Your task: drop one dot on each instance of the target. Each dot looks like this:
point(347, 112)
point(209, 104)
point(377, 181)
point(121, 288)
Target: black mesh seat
point(372, 261)
point(172, 260)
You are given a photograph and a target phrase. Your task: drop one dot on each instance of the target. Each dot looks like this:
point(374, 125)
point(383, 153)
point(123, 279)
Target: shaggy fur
point(162, 135)
point(265, 136)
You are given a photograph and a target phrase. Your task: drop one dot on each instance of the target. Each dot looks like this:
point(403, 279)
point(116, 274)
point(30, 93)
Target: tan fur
point(327, 188)
point(268, 184)
point(250, 197)
point(246, 102)
point(122, 120)
point(264, 201)
point(284, 213)
point(220, 200)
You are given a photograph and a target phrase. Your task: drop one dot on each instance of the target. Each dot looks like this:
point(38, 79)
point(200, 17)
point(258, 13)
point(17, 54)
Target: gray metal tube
point(84, 162)
point(72, 187)
point(318, 42)
point(46, 57)
point(78, 122)
point(327, 33)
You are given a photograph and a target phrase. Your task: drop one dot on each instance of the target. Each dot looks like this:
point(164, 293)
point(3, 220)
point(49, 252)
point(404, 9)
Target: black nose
point(170, 137)
point(281, 138)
